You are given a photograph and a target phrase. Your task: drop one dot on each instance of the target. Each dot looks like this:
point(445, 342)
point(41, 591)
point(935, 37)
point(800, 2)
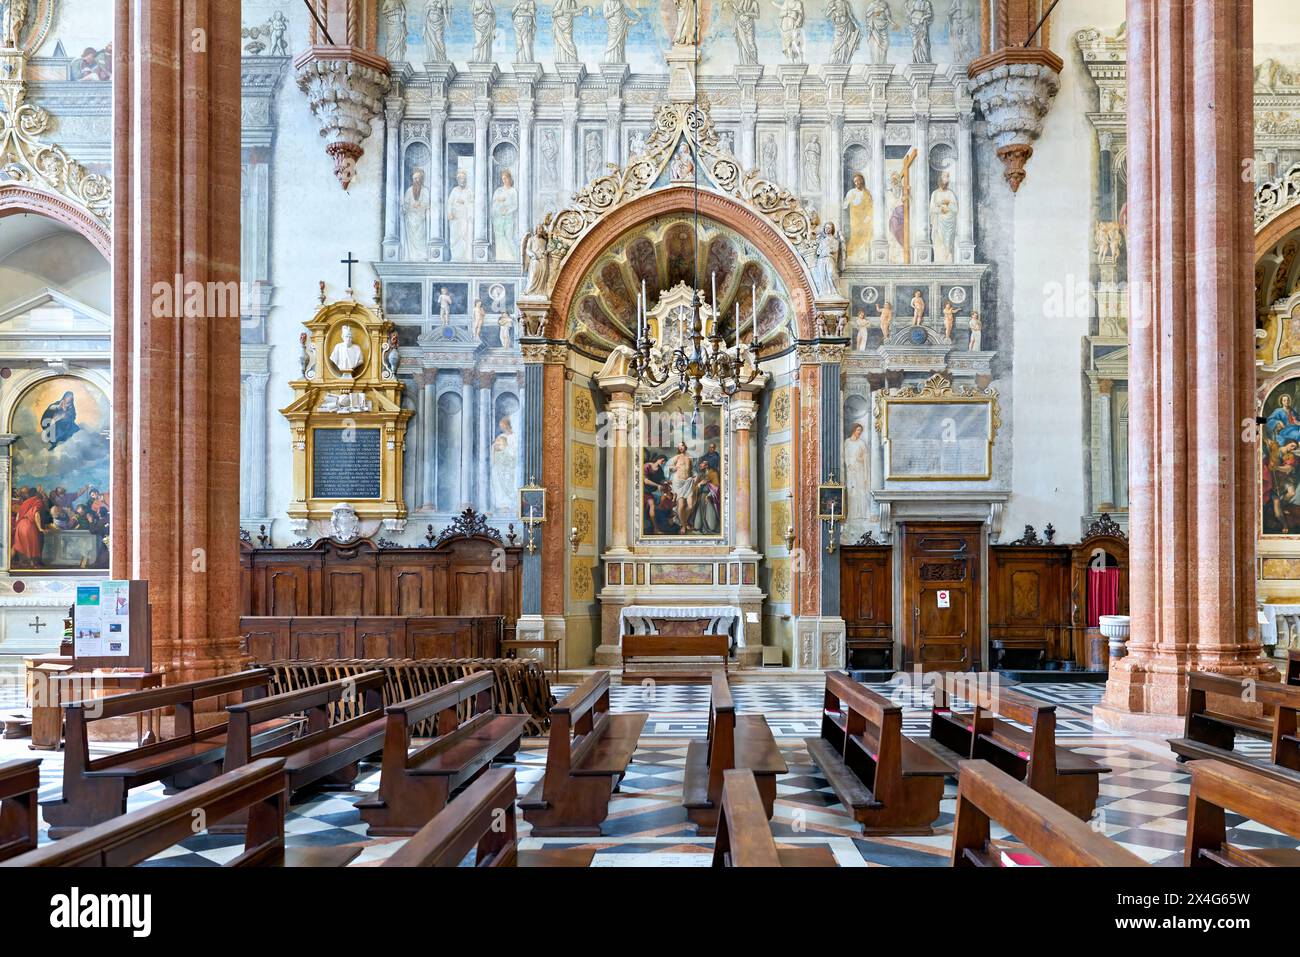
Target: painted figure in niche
point(1109, 242)
point(551, 151)
point(416, 204)
point(618, 16)
point(826, 270)
point(949, 320)
point(792, 17)
point(505, 329)
point(685, 34)
point(562, 15)
point(635, 144)
point(346, 355)
point(460, 218)
point(960, 33)
point(478, 316)
point(97, 65)
point(279, 35)
point(861, 328)
point(746, 13)
point(13, 16)
point(536, 257)
point(920, 14)
point(812, 164)
point(395, 20)
point(857, 475)
point(918, 309)
point(504, 467)
point(682, 166)
point(898, 211)
point(505, 218)
point(770, 157)
point(976, 328)
point(886, 314)
point(436, 13)
point(727, 142)
point(592, 151)
point(444, 307)
point(858, 203)
point(524, 17)
point(484, 16)
point(880, 20)
point(943, 219)
point(845, 31)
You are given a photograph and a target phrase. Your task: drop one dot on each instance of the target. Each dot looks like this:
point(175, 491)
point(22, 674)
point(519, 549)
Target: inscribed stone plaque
point(346, 463)
point(939, 440)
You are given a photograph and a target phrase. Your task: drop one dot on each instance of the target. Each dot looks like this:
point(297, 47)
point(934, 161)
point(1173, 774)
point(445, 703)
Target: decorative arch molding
point(679, 199)
point(1277, 210)
point(18, 198)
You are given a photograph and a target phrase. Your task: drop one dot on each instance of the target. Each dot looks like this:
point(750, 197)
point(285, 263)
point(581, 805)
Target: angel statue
point(536, 260)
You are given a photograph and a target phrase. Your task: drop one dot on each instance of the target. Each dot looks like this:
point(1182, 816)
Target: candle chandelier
point(696, 356)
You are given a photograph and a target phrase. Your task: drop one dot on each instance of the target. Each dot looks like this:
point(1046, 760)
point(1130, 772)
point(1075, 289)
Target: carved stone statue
point(436, 13)
point(682, 166)
point(618, 15)
point(346, 356)
point(485, 23)
point(13, 17)
point(826, 269)
point(524, 16)
point(886, 311)
point(976, 328)
point(395, 19)
point(562, 15)
point(791, 29)
point(918, 308)
point(959, 29)
point(949, 319)
point(686, 33)
point(535, 259)
point(746, 12)
point(920, 14)
point(845, 31)
point(880, 20)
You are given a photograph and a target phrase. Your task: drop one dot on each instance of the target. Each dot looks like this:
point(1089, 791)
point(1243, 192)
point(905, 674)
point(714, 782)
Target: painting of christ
point(681, 470)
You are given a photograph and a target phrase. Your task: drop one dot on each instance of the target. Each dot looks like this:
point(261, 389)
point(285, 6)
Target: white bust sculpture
point(346, 356)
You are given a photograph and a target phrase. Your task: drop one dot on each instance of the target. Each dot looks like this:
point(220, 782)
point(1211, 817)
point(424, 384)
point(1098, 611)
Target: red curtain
point(1103, 593)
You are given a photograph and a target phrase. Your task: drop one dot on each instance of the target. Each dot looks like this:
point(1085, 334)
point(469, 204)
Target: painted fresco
point(1280, 461)
point(682, 471)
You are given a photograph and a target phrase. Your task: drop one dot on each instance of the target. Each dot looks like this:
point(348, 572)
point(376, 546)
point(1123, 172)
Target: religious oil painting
point(681, 471)
point(1280, 461)
point(59, 509)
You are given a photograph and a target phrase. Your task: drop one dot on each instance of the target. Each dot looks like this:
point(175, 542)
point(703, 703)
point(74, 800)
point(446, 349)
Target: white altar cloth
point(723, 619)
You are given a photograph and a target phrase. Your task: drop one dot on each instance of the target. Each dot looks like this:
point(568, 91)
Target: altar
point(657, 619)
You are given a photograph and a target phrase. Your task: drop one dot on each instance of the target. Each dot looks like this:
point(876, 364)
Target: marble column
point(394, 110)
point(741, 416)
point(921, 252)
point(467, 431)
point(255, 375)
point(619, 407)
point(175, 469)
point(1192, 508)
point(879, 190)
point(793, 175)
point(965, 189)
point(483, 437)
point(429, 437)
point(482, 187)
point(1105, 494)
point(534, 411)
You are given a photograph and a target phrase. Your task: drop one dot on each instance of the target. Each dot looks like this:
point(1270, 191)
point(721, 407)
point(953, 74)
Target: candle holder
point(574, 538)
point(532, 509)
point(830, 507)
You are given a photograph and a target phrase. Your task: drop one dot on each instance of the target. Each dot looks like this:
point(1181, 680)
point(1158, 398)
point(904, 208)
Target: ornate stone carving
point(468, 524)
point(345, 525)
point(345, 93)
point(939, 386)
point(1104, 525)
point(1274, 198)
point(1014, 89)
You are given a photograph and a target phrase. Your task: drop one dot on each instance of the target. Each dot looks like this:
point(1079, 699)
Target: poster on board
point(101, 619)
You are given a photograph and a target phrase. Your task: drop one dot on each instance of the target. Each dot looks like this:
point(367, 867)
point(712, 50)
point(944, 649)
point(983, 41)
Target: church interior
point(656, 433)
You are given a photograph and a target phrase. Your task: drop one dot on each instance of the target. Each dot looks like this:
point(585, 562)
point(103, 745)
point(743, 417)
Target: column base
point(819, 643)
point(1149, 696)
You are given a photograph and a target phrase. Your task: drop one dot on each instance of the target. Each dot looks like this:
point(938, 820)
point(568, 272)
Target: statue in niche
point(416, 204)
point(746, 13)
point(949, 320)
point(13, 16)
point(497, 293)
point(395, 20)
point(592, 152)
point(444, 307)
point(635, 144)
point(943, 219)
point(685, 34)
point(436, 13)
point(550, 149)
point(976, 329)
point(918, 308)
point(861, 329)
point(770, 157)
point(346, 356)
point(812, 164)
point(886, 313)
point(505, 218)
point(857, 476)
point(484, 16)
point(524, 17)
point(960, 34)
point(562, 15)
point(920, 14)
point(845, 33)
point(880, 20)
point(858, 204)
point(506, 329)
point(682, 167)
point(535, 256)
point(826, 268)
point(478, 317)
point(791, 29)
point(504, 469)
point(1108, 240)
point(279, 34)
point(618, 15)
point(727, 142)
point(460, 218)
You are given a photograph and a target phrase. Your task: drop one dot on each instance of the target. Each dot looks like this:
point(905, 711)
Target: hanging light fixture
point(695, 356)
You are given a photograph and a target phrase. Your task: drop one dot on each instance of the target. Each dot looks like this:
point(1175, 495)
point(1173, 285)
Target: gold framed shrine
point(941, 433)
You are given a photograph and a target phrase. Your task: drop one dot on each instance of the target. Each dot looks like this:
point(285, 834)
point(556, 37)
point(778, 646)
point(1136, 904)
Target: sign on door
point(944, 601)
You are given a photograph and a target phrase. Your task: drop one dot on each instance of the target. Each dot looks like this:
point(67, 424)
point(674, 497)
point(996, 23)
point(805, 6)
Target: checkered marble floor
point(1143, 802)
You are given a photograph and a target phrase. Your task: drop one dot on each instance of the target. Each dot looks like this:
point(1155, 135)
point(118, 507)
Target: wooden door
point(941, 595)
point(867, 605)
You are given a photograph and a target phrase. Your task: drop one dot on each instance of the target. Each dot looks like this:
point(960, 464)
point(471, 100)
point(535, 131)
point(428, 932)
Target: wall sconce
point(532, 508)
point(830, 507)
point(573, 532)
point(789, 529)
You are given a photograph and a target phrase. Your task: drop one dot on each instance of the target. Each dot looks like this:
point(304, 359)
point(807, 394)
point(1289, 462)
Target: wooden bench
point(661, 647)
point(1218, 787)
point(586, 757)
point(890, 784)
point(482, 819)
point(19, 783)
point(415, 785)
point(1293, 666)
point(1211, 733)
point(733, 742)
point(1056, 837)
point(1069, 779)
point(95, 790)
point(744, 836)
point(256, 790)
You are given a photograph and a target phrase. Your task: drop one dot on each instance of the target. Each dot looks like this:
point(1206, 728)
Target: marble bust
point(346, 356)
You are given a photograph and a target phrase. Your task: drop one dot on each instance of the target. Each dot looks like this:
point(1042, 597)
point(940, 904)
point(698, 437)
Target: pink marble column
point(1191, 369)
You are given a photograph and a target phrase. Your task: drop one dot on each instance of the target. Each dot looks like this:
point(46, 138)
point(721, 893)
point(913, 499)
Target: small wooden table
point(545, 644)
point(47, 717)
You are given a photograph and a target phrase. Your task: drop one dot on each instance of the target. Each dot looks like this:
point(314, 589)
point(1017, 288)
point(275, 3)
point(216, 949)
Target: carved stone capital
point(345, 90)
point(1014, 89)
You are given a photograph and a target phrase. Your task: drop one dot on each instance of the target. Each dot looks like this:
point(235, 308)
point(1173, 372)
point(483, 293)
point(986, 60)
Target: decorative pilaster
point(1105, 445)
point(485, 76)
point(526, 76)
point(394, 110)
point(615, 75)
point(741, 416)
point(878, 82)
point(920, 75)
point(440, 77)
point(620, 410)
point(965, 187)
point(467, 417)
point(747, 77)
point(254, 374)
point(791, 76)
point(572, 74)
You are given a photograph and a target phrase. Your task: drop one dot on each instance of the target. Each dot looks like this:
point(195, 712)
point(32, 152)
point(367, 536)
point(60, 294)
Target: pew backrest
point(443, 703)
point(1293, 666)
point(722, 730)
point(744, 838)
point(482, 817)
point(863, 710)
point(577, 722)
point(1218, 787)
point(685, 646)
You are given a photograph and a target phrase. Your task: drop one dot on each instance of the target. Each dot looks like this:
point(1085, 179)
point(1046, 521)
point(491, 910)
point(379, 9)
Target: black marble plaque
point(346, 463)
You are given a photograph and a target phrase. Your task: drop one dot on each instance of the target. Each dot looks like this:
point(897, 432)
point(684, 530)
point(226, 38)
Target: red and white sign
point(944, 601)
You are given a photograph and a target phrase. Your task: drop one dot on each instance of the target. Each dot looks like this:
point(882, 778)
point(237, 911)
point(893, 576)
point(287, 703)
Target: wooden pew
point(19, 783)
point(1293, 666)
point(1218, 787)
point(889, 783)
point(325, 752)
point(744, 837)
point(415, 785)
point(1056, 836)
point(256, 790)
point(733, 742)
point(586, 757)
point(482, 819)
point(1210, 733)
point(1069, 779)
point(95, 790)
point(673, 646)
